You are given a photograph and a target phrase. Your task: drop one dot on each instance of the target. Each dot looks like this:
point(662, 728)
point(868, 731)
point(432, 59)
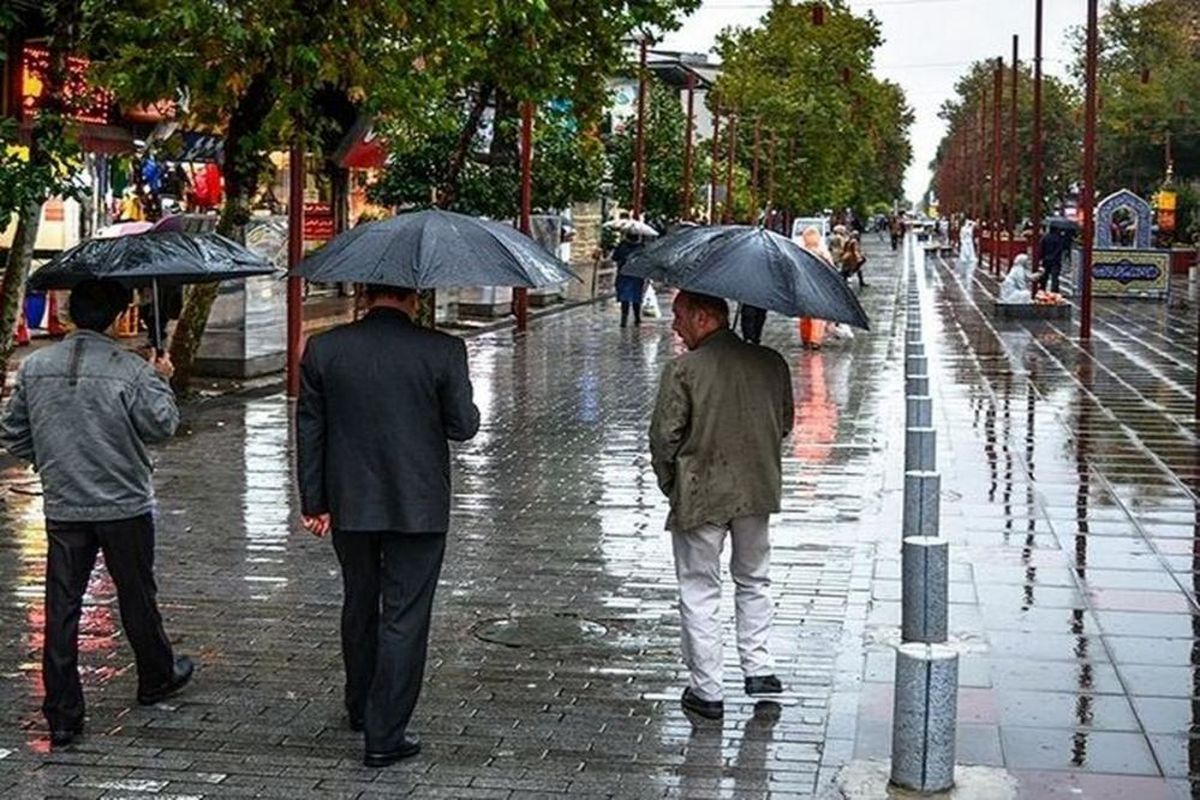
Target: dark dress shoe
point(411, 746)
point(709, 709)
point(182, 674)
point(763, 684)
point(61, 737)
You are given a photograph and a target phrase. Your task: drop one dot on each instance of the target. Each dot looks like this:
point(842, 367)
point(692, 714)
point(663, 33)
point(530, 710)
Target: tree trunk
point(241, 181)
point(197, 305)
point(462, 151)
point(16, 273)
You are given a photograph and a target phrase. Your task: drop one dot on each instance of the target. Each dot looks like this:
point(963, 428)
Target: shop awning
point(361, 147)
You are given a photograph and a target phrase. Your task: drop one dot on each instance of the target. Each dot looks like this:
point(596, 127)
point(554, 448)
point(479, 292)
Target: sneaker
point(709, 709)
point(763, 684)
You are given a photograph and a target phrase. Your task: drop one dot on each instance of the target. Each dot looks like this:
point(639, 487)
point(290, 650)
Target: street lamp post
point(995, 216)
point(1087, 201)
point(727, 215)
point(686, 211)
point(295, 252)
point(1035, 244)
point(639, 161)
point(716, 155)
point(521, 295)
point(1013, 163)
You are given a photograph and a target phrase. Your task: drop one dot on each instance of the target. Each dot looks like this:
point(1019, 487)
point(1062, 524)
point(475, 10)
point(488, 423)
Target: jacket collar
point(720, 334)
point(83, 333)
point(387, 312)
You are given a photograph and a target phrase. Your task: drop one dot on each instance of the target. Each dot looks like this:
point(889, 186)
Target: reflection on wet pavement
point(1069, 483)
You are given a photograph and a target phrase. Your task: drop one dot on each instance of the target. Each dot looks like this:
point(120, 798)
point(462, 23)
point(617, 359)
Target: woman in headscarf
point(812, 331)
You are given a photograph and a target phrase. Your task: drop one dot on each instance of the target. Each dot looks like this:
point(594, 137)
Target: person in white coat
point(966, 243)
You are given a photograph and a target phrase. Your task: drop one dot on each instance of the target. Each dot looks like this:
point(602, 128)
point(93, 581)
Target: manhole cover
point(539, 631)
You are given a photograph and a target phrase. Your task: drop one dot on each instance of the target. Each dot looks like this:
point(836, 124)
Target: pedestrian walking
point(379, 400)
point(754, 319)
point(722, 412)
point(853, 259)
point(895, 230)
point(630, 289)
point(966, 243)
point(82, 412)
point(812, 331)
point(1055, 245)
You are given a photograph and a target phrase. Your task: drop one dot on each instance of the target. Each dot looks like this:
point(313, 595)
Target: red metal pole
point(1035, 216)
point(521, 294)
point(995, 216)
point(754, 172)
point(1087, 201)
point(639, 163)
point(981, 158)
point(686, 211)
point(727, 216)
point(716, 157)
point(1013, 164)
point(771, 182)
point(295, 287)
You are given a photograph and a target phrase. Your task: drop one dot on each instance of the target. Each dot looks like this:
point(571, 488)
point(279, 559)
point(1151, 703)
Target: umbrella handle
point(156, 334)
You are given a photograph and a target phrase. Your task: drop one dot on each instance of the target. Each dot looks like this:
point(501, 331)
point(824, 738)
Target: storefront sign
point(1130, 273)
point(85, 103)
point(318, 222)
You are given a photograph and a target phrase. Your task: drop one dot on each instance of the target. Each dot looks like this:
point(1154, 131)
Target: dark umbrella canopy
point(753, 266)
point(435, 249)
point(1063, 223)
point(138, 260)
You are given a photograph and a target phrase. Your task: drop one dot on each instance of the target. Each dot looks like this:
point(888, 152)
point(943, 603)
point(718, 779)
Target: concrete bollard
point(925, 571)
point(923, 722)
point(916, 385)
point(920, 449)
point(912, 334)
point(921, 503)
point(914, 349)
point(916, 365)
point(918, 411)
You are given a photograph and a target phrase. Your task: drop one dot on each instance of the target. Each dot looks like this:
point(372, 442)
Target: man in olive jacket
point(722, 412)
point(379, 399)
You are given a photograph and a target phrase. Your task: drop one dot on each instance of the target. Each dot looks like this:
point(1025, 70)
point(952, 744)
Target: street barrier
point(926, 688)
point(923, 727)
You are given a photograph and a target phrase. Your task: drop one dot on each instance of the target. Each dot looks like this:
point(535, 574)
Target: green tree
point(253, 68)
point(45, 165)
point(664, 127)
point(842, 133)
point(1061, 135)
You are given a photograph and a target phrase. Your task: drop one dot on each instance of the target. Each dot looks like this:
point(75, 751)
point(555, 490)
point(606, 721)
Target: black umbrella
point(432, 249)
point(1063, 223)
point(148, 259)
point(753, 266)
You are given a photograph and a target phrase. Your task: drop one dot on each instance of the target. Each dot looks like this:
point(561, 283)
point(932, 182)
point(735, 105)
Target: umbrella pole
point(157, 336)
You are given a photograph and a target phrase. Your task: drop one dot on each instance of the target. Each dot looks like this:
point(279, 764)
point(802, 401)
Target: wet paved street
point(1068, 480)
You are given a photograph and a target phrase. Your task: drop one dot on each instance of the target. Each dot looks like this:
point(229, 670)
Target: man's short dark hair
point(380, 291)
point(96, 304)
point(715, 307)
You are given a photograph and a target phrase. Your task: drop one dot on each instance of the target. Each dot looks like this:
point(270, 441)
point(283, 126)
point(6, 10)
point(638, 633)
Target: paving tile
point(1089, 751)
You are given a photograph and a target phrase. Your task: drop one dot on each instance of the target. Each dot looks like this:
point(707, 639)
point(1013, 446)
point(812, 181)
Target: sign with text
point(1131, 273)
point(84, 102)
point(318, 222)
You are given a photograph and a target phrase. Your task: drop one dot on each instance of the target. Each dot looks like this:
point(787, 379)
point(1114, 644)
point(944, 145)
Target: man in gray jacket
point(82, 413)
point(722, 412)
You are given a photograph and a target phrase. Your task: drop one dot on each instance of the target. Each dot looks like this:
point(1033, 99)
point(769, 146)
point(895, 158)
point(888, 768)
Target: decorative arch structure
point(1137, 207)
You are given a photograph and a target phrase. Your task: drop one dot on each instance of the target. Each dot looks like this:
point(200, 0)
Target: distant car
point(800, 223)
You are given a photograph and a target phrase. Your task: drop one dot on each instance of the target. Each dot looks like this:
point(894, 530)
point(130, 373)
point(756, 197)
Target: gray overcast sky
point(928, 45)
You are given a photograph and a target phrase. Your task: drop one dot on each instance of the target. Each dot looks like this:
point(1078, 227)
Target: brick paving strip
point(557, 525)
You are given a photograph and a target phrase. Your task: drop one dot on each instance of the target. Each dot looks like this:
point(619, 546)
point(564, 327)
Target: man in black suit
point(379, 399)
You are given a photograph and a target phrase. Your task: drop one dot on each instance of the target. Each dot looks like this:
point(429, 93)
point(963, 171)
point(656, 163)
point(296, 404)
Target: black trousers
point(388, 582)
point(637, 313)
point(753, 320)
point(128, 547)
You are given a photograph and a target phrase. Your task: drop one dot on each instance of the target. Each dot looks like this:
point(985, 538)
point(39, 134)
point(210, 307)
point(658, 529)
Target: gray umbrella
point(432, 249)
point(753, 266)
